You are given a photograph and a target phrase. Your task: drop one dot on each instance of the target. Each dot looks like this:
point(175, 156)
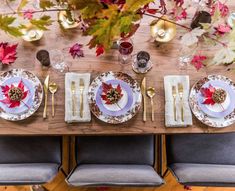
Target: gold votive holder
point(162, 30)
point(31, 33)
point(66, 21)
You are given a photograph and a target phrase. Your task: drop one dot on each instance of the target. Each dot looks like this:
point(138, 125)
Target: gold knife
point(143, 91)
point(45, 87)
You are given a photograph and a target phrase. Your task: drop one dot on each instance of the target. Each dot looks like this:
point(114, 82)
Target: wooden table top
point(165, 60)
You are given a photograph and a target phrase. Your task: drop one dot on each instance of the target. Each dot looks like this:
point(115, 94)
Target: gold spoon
point(53, 89)
point(151, 93)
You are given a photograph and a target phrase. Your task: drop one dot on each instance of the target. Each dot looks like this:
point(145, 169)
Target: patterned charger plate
point(213, 116)
point(30, 104)
point(127, 106)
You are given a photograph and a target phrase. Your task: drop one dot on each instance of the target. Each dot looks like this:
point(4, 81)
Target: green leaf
point(134, 5)
point(45, 4)
point(22, 4)
point(224, 56)
point(42, 23)
point(232, 35)
point(5, 25)
point(209, 41)
point(206, 26)
point(108, 29)
point(216, 15)
point(81, 4)
point(88, 8)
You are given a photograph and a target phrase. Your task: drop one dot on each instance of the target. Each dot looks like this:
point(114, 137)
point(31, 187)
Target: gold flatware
point(174, 100)
point(151, 93)
point(81, 86)
point(53, 89)
point(73, 90)
point(143, 91)
point(45, 87)
point(181, 91)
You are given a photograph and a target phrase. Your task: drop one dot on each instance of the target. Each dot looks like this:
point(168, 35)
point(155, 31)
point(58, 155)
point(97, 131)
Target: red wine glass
point(125, 47)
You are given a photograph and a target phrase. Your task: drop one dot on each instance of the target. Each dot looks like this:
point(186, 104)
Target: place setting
point(21, 94)
point(212, 101)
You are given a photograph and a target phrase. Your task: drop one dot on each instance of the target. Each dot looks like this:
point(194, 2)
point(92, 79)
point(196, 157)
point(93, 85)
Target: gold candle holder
point(162, 30)
point(66, 21)
point(31, 33)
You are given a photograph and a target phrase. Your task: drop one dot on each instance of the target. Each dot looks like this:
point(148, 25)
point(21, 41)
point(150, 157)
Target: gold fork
point(181, 91)
point(73, 90)
point(174, 100)
point(81, 85)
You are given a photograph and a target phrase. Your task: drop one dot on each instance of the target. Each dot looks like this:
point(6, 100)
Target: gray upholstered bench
point(29, 160)
point(202, 159)
point(115, 161)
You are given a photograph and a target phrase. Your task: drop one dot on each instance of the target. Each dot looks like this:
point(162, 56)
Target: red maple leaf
point(223, 8)
point(197, 61)
point(207, 93)
point(222, 29)
point(179, 3)
point(76, 50)
point(7, 53)
point(149, 10)
point(28, 14)
point(179, 13)
point(108, 91)
point(99, 50)
point(10, 102)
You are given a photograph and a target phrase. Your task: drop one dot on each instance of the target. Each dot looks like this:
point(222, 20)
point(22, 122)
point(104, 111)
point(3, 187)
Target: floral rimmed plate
point(127, 106)
point(31, 102)
point(213, 116)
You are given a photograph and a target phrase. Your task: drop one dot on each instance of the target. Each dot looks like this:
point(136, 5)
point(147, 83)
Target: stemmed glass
point(58, 60)
point(125, 47)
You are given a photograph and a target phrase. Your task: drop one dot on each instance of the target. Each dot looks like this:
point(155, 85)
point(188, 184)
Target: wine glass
point(125, 47)
point(58, 60)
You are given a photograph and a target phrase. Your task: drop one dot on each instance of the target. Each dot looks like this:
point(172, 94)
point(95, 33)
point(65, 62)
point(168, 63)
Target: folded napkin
point(173, 80)
point(69, 118)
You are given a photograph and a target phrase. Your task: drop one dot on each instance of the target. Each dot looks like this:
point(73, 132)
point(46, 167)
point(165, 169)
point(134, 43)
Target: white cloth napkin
point(69, 77)
point(173, 80)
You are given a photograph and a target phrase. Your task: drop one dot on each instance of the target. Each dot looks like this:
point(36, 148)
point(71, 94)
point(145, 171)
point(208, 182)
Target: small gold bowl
point(162, 30)
point(66, 22)
point(31, 33)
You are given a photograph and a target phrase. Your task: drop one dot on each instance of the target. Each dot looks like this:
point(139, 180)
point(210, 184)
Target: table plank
point(163, 56)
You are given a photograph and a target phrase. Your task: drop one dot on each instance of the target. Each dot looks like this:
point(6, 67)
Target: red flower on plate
point(14, 95)
point(7, 53)
point(110, 94)
point(207, 93)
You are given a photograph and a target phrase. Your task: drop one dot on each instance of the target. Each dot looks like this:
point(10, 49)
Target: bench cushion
point(204, 174)
point(114, 175)
point(27, 174)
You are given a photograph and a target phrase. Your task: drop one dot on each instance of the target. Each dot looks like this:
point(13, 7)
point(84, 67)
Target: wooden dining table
point(165, 59)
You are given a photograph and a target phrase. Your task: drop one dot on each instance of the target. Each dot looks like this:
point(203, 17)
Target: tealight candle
point(32, 34)
point(161, 33)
